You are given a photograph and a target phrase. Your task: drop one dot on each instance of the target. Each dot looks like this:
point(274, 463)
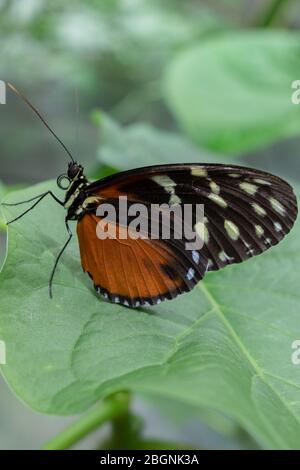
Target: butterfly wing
point(246, 212)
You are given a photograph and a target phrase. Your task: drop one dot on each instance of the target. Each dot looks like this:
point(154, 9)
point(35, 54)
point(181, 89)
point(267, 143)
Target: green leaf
point(226, 345)
point(141, 145)
point(233, 93)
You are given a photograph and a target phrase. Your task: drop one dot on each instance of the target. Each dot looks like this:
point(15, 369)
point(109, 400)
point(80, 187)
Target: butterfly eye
point(63, 182)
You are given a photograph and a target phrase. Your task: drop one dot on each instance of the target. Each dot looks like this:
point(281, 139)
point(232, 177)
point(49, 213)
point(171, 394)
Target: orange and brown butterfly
point(246, 212)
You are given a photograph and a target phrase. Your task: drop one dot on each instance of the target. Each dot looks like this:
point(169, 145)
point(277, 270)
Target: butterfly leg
point(58, 258)
point(38, 198)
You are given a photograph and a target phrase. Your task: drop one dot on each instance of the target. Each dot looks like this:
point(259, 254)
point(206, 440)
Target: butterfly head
point(75, 172)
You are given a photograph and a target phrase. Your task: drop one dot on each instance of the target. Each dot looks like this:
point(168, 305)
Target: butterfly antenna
point(14, 89)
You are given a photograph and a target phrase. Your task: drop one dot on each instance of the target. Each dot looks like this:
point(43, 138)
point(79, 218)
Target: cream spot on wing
point(259, 230)
point(248, 188)
point(169, 186)
point(277, 226)
point(214, 187)
point(190, 274)
point(218, 200)
point(174, 199)
point(234, 175)
point(202, 231)
point(268, 241)
point(277, 206)
point(231, 229)
point(225, 257)
point(258, 209)
point(90, 200)
point(198, 171)
point(261, 181)
point(164, 181)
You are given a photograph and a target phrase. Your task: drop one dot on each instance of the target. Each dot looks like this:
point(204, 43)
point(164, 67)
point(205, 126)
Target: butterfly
point(246, 211)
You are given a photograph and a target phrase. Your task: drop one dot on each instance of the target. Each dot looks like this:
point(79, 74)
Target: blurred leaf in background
point(141, 144)
point(113, 49)
point(233, 93)
point(112, 52)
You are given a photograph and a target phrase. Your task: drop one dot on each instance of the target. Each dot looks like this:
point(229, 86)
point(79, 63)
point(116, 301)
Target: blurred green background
point(139, 62)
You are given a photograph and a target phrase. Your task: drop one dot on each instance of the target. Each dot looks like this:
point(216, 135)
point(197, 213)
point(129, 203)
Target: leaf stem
point(272, 12)
point(111, 408)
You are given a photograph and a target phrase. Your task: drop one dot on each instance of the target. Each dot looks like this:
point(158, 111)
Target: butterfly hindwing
point(137, 272)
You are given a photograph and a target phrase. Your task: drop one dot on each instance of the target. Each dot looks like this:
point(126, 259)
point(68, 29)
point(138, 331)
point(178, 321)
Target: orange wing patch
point(134, 272)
